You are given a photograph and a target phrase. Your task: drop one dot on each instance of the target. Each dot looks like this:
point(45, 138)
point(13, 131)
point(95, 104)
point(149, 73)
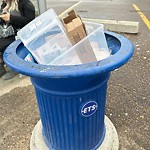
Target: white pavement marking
point(70, 8)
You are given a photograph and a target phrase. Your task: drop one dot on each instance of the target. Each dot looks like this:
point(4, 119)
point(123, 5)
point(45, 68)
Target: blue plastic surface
point(121, 47)
point(64, 127)
point(62, 91)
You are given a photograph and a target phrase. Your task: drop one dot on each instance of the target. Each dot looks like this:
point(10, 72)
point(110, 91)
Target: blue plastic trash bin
point(72, 99)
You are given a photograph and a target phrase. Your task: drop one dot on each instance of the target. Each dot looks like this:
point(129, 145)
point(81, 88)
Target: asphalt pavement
point(128, 96)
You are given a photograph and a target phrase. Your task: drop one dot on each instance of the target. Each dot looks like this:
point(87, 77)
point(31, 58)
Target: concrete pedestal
point(110, 142)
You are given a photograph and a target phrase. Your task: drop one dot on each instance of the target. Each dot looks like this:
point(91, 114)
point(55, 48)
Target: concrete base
point(110, 142)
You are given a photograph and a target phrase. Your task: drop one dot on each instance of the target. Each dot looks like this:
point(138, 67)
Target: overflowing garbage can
point(71, 99)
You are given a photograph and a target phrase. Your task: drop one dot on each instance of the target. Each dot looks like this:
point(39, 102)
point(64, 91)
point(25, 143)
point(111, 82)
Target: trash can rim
point(37, 70)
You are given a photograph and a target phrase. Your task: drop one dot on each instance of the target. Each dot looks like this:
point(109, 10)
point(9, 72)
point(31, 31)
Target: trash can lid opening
point(122, 50)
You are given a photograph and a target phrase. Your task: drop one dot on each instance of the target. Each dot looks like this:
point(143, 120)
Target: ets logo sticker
point(89, 108)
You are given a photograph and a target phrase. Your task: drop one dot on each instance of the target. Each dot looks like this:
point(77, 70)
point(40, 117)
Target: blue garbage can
point(71, 99)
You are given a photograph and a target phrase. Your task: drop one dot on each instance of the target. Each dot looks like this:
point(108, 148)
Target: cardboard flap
point(77, 22)
point(71, 12)
point(71, 15)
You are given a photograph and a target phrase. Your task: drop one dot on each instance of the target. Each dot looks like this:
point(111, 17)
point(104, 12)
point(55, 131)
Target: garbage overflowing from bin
point(66, 42)
point(71, 98)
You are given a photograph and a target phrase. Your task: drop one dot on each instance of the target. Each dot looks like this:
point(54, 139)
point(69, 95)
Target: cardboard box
point(75, 29)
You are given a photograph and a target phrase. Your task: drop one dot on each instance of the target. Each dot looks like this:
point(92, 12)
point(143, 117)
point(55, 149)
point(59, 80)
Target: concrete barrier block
point(117, 26)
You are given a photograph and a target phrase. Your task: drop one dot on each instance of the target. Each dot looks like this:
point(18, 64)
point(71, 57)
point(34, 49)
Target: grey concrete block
point(117, 26)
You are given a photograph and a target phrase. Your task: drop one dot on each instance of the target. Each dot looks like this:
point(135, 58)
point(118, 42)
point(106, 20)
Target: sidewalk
point(18, 81)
